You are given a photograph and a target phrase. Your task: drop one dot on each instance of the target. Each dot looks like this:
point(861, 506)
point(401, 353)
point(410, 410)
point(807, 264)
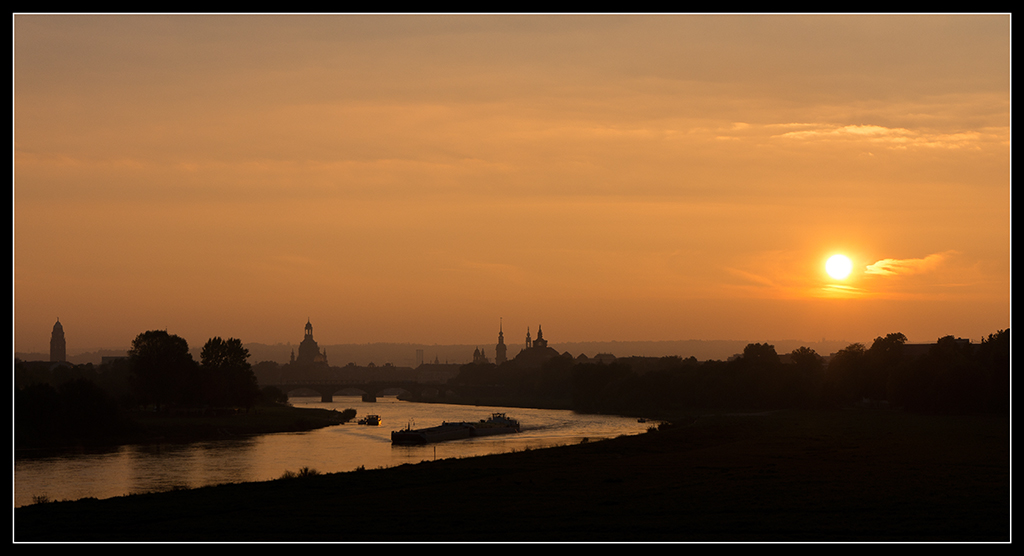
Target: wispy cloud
point(893, 267)
point(892, 137)
point(754, 279)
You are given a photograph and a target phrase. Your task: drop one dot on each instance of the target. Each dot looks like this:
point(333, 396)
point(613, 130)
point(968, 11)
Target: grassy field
point(853, 475)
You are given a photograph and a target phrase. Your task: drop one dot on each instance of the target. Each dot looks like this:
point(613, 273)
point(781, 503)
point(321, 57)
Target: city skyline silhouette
point(675, 277)
point(416, 178)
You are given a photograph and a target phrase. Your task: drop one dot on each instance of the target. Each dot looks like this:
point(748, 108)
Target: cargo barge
point(497, 424)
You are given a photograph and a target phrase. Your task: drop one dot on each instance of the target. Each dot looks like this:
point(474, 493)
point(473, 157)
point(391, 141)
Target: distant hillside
point(404, 355)
point(702, 350)
point(95, 357)
point(400, 355)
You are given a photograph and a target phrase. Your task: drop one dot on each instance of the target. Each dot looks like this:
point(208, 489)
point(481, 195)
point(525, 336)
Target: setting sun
point(838, 266)
point(616, 177)
point(353, 226)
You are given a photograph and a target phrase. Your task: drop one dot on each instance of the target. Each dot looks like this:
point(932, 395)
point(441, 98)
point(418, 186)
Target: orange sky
point(416, 178)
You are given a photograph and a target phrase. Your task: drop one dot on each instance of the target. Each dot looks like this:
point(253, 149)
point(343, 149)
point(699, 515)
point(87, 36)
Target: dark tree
point(845, 377)
point(807, 360)
point(956, 376)
point(228, 376)
point(958, 384)
point(161, 367)
point(994, 351)
point(221, 354)
point(993, 359)
point(761, 356)
point(75, 411)
point(884, 358)
point(34, 410)
point(888, 349)
point(805, 377)
point(267, 372)
point(758, 382)
point(88, 410)
point(593, 385)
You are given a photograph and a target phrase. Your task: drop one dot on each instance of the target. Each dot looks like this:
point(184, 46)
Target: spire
point(500, 350)
point(540, 342)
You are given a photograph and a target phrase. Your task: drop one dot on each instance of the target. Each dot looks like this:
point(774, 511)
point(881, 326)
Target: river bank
point(856, 475)
point(152, 427)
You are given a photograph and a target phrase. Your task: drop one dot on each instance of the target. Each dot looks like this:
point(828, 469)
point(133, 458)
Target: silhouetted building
point(437, 372)
point(479, 357)
point(913, 351)
point(58, 347)
point(540, 342)
point(309, 351)
point(500, 350)
point(536, 352)
point(600, 358)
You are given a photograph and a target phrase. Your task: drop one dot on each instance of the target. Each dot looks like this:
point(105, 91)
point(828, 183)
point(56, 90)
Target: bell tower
point(58, 351)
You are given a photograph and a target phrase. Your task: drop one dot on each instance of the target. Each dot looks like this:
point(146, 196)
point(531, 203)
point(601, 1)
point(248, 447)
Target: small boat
point(372, 420)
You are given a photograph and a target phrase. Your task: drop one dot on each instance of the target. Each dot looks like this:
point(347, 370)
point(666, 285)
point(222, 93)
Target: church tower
point(540, 342)
point(500, 349)
point(529, 342)
point(58, 347)
point(309, 352)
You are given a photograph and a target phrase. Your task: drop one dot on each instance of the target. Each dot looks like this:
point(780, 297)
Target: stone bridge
point(328, 388)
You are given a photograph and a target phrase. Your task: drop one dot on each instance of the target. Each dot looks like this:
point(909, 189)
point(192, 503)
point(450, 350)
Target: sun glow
point(838, 266)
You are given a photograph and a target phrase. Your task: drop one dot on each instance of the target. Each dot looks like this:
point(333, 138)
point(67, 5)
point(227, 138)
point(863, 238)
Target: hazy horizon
point(404, 353)
point(421, 178)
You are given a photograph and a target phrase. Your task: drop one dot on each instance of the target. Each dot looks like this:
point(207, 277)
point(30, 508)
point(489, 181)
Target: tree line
point(952, 376)
point(164, 373)
point(159, 374)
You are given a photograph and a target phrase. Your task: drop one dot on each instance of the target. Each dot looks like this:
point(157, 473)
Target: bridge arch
point(328, 389)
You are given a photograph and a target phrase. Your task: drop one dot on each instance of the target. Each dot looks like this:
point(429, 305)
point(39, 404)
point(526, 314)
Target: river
point(155, 468)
